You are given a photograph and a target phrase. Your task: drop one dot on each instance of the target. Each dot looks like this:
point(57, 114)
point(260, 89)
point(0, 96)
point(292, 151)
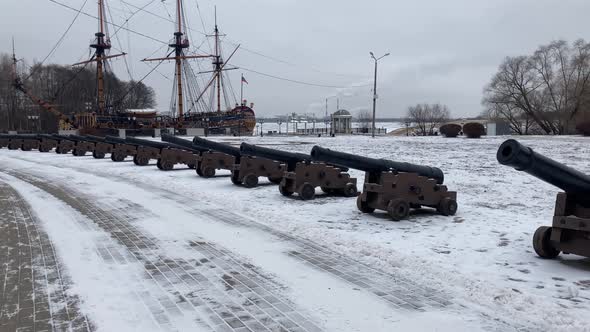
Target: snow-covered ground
point(473, 271)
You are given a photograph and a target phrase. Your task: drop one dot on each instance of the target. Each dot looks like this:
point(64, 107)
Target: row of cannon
point(394, 187)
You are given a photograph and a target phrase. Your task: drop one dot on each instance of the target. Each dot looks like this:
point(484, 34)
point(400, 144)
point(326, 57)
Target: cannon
point(82, 145)
point(216, 156)
point(395, 187)
point(4, 140)
point(101, 146)
point(25, 142)
point(47, 142)
point(248, 169)
point(146, 150)
point(302, 176)
point(65, 144)
point(570, 230)
point(121, 148)
point(180, 151)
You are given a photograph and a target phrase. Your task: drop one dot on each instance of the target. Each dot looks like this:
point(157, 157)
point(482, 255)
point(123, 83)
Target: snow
point(482, 256)
point(105, 289)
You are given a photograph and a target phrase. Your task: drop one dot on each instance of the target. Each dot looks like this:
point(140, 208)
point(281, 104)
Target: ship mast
point(217, 62)
point(101, 45)
point(179, 45)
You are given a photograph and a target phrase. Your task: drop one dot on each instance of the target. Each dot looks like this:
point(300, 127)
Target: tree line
point(70, 89)
point(547, 92)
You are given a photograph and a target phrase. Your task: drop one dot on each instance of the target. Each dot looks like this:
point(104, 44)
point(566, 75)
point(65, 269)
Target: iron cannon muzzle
point(513, 154)
point(522, 158)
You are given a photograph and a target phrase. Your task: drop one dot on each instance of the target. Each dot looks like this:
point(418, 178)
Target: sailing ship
point(191, 106)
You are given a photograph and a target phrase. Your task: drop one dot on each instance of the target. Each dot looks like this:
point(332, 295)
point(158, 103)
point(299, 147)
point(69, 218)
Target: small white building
point(341, 122)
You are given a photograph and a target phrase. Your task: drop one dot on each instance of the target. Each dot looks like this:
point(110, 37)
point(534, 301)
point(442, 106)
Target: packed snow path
point(142, 252)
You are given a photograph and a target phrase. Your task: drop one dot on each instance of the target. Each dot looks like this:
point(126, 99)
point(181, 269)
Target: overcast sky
point(441, 51)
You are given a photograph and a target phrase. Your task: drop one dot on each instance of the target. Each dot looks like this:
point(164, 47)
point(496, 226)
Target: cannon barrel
point(512, 153)
point(116, 140)
point(21, 136)
point(374, 165)
point(64, 137)
point(148, 143)
point(187, 145)
point(272, 154)
point(219, 147)
point(85, 138)
point(48, 136)
point(96, 138)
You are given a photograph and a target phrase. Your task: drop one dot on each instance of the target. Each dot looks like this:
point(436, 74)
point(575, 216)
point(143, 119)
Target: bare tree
point(427, 117)
point(365, 120)
point(551, 87)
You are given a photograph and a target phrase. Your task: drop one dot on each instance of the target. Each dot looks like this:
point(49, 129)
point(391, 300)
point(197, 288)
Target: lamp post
point(375, 89)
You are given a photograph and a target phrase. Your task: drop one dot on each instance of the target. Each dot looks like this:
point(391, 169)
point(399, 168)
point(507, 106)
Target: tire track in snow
point(34, 286)
point(215, 287)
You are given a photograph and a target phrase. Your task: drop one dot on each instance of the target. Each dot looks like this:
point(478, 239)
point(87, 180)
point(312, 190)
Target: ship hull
point(239, 121)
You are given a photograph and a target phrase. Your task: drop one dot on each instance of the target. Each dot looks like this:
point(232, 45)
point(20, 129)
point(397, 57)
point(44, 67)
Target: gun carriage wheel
point(284, 191)
point(363, 206)
point(208, 172)
point(98, 155)
point(235, 177)
point(398, 209)
point(542, 243)
point(306, 191)
point(250, 181)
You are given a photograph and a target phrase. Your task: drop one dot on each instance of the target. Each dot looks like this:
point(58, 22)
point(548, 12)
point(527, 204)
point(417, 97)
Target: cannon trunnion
point(570, 230)
point(395, 187)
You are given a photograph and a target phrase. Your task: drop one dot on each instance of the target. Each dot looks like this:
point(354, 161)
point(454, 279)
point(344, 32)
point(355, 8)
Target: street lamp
point(375, 89)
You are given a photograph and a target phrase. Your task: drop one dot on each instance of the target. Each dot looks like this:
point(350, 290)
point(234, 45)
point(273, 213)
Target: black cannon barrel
point(272, 154)
point(374, 165)
point(48, 136)
point(145, 142)
point(96, 138)
point(187, 145)
point(215, 146)
point(116, 140)
point(512, 153)
point(84, 138)
point(22, 136)
point(64, 137)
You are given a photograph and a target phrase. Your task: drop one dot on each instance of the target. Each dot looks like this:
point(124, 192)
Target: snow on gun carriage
point(302, 176)
point(395, 187)
point(570, 230)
